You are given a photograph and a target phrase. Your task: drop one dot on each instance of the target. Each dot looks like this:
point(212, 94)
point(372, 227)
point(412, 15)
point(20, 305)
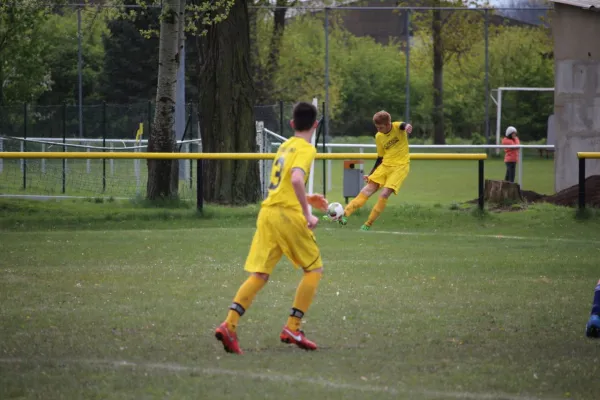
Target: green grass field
point(115, 300)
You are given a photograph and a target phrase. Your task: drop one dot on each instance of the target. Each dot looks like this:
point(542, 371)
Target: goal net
point(526, 108)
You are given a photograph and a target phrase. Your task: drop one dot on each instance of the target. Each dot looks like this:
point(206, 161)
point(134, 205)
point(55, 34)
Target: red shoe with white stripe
point(296, 337)
point(228, 338)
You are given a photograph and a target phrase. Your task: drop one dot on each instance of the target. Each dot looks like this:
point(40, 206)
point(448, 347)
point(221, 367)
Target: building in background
point(576, 31)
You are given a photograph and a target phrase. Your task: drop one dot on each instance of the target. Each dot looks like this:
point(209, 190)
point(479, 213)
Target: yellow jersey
point(393, 146)
point(293, 153)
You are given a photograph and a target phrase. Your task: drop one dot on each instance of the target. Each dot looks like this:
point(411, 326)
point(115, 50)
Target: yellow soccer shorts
point(281, 231)
point(390, 177)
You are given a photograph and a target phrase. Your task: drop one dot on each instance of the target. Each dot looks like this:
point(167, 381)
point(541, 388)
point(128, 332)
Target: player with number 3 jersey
point(284, 227)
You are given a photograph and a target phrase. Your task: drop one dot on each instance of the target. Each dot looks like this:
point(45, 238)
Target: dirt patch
point(531, 197)
point(568, 197)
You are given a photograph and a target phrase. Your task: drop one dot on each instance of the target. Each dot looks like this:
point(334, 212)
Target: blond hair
point(382, 117)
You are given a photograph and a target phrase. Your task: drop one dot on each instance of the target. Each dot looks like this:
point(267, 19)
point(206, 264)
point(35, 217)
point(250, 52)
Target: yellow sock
point(378, 209)
point(243, 298)
point(304, 297)
point(355, 204)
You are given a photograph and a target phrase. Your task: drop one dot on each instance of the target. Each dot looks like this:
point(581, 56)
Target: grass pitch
point(117, 301)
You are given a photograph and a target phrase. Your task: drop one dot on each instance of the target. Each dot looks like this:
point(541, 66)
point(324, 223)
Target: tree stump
point(502, 192)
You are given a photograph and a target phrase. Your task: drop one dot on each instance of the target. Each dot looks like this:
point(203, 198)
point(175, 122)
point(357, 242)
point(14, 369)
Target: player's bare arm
point(317, 201)
point(298, 184)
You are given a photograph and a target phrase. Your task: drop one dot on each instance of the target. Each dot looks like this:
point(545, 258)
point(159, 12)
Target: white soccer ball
point(335, 211)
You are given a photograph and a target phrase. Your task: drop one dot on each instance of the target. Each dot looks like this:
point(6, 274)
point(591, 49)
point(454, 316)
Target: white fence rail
point(87, 144)
point(361, 147)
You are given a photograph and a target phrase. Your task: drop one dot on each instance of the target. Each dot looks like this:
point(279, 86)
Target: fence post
point(326, 108)
point(24, 161)
point(581, 183)
point(112, 161)
point(136, 169)
point(480, 184)
point(199, 188)
point(324, 161)
point(486, 25)
point(103, 146)
point(329, 170)
point(190, 150)
point(281, 121)
point(43, 159)
point(260, 140)
point(88, 162)
point(407, 106)
point(64, 139)
point(498, 119)
point(520, 166)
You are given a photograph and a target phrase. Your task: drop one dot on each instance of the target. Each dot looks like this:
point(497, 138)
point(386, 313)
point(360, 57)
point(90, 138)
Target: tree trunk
point(439, 136)
point(163, 174)
point(227, 109)
point(502, 192)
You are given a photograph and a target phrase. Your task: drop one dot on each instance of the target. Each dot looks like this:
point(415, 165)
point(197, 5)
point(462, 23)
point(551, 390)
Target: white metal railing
point(68, 142)
point(72, 142)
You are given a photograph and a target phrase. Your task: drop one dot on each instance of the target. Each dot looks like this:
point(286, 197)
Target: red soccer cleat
point(228, 338)
point(297, 338)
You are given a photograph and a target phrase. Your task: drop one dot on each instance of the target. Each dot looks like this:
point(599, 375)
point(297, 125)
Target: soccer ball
point(335, 211)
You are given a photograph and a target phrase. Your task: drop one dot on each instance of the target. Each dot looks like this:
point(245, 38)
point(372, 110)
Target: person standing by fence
point(510, 155)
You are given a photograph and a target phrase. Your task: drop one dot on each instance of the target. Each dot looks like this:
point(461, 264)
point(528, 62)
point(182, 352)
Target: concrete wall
point(577, 90)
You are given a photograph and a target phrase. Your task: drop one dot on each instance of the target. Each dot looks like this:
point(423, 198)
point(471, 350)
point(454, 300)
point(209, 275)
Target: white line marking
point(401, 233)
point(272, 377)
point(479, 236)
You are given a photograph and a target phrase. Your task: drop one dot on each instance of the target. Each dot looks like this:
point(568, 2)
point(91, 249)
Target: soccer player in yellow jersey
point(390, 170)
point(284, 226)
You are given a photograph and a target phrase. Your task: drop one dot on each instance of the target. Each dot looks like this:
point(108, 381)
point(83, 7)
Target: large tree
point(163, 174)
point(227, 108)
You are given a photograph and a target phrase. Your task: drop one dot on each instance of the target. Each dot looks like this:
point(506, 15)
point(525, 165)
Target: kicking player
point(390, 170)
point(284, 226)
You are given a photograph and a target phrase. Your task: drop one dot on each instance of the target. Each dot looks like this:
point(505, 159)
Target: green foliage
point(368, 84)
point(22, 44)
point(366, 76)
point(302, 61)
point(517, 58)
point(202, 14)
point(130, 59)
point(39, 50)
point(61, 56)
point(477, 139)
point(460, 29)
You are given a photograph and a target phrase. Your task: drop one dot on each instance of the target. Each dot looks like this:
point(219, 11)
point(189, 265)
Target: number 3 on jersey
point(276, 174)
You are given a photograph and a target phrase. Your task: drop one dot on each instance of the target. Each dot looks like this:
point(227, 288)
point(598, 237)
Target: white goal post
point(498, 102)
